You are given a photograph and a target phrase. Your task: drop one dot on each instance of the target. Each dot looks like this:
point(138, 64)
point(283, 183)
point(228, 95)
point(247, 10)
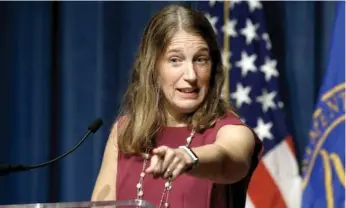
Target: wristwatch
point(192, 155)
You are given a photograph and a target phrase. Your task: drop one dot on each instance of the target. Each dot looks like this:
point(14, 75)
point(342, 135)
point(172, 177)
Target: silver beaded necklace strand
point(168, 184)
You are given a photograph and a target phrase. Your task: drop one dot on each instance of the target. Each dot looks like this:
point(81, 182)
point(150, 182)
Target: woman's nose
point(189, 73)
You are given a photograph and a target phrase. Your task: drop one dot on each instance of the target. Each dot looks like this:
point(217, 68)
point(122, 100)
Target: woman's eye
point(174, 60)
point(202, 60)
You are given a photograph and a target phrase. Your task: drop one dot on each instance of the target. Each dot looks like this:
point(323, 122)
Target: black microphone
point(8, 168)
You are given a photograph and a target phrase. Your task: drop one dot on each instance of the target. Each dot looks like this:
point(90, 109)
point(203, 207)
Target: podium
point(96, 204)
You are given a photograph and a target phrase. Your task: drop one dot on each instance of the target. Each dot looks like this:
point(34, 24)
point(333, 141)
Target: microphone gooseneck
point(8, 168)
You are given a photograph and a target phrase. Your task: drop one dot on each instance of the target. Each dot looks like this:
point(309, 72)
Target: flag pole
point(226, 49)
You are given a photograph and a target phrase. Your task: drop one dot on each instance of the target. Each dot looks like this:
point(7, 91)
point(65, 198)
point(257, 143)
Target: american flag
point(253, 88)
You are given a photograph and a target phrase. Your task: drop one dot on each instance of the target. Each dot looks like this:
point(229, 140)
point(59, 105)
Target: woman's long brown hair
point(142, 107)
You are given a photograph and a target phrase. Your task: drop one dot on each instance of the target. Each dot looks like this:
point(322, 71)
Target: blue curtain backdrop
point(64, 64)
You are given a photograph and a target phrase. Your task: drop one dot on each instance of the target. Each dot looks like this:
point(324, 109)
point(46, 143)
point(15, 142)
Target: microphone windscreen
point(95, 125)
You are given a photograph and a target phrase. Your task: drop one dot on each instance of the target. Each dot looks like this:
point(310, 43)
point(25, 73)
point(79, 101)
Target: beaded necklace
point(168, 184)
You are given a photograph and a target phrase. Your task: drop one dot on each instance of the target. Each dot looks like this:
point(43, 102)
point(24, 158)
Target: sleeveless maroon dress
point(187, 191)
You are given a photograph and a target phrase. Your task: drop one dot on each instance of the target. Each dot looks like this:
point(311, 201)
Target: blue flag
point(323, 166)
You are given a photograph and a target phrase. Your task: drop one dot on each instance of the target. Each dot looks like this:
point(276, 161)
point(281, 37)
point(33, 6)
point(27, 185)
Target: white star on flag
point(233, 2)
point(212, 21)
point(241, 95)
point(254, 4)
point(229, 28)
point(267, 100)
point(212, 3)
point(266, 38)
point(249, 31)
point(247, 63)
point(269, 69)
point(263, 129)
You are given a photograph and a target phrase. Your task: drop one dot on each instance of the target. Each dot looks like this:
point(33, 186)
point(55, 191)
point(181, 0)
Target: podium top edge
point(84, 204)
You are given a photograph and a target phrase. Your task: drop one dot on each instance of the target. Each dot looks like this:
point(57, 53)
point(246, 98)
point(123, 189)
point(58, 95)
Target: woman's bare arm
point(105, 186)
point(227, 160)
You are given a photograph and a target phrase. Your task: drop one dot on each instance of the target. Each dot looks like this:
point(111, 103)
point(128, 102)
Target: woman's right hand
point(168, 163)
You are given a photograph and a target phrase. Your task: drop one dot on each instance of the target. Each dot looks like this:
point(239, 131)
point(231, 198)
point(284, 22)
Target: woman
point(177, 143)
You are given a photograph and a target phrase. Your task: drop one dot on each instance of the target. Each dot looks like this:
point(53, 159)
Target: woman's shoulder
point(118, 122)
point(230, 118)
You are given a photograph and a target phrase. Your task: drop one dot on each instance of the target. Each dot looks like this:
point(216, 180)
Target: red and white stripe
point(276, 182)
